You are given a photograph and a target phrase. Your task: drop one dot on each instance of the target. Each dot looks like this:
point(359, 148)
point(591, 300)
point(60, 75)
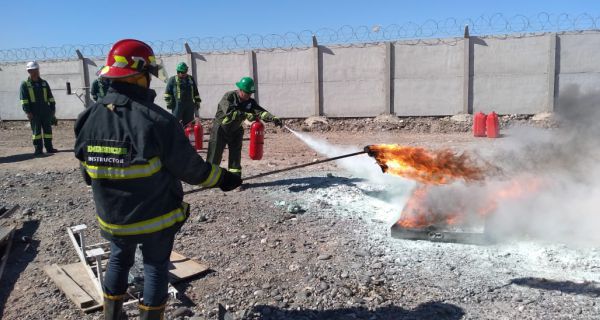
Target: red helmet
point(129, 57)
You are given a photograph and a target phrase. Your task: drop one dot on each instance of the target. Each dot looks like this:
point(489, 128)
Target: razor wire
point(496, 24)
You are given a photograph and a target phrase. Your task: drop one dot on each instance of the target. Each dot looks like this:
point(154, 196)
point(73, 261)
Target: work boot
point(113, 307)
point(152, 313)
point(50, 149)
point(38, 151)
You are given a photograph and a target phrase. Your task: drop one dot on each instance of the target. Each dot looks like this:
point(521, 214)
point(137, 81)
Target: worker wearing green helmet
point(235, 107)
point(182, 97)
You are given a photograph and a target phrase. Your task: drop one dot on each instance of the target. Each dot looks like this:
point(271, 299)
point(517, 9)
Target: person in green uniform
point(39, 106)
point(233, 109)
point(99, 87)
point(182, 97)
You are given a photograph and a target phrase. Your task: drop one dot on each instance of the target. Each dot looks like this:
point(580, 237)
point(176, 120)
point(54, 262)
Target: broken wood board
point(4, 218)
point(6, 236)
point(182, 268)
point(69, 287)
point(74, 281)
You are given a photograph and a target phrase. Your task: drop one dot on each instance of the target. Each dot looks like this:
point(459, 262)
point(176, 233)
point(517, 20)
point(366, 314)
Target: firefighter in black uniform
point(234, 107)
point(39, 106)
point(135, 155)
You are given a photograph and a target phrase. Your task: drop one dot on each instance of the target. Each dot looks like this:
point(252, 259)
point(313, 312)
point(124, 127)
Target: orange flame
point(418, 213)
point(428, 167)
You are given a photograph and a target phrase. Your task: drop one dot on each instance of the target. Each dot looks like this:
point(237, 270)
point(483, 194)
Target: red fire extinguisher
point(479, 124)
point(195, 133)
point(257, 140)
point(492, 125)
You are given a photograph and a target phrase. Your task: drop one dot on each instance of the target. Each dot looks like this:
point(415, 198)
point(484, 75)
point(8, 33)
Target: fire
point(428, 167)
point(424, 209)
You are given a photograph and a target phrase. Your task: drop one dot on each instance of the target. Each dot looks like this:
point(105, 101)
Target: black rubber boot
point(152, 313)
point(113, 307)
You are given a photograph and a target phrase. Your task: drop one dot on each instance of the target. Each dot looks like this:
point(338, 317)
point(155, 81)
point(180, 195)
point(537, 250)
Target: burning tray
point(435, 234)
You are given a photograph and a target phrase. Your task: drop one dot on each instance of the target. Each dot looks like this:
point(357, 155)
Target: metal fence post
point(85, 77)
point(190, 60)
point(467, 80)
point(252, 70)
point(318, 103)
point(552, 74)
point(388, 78)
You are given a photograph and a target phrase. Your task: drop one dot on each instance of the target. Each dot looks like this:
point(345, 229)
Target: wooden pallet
point(74, 280)
point(7, 232)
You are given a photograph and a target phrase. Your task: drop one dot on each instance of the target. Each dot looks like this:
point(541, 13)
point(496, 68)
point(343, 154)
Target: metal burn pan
point(435, 234)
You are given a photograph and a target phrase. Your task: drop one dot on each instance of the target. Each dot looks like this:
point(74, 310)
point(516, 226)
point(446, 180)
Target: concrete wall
point(286, 82)
point(353, 81)
point(579, 61)
point(217, 74)
point(511, 74)
point(428, 79)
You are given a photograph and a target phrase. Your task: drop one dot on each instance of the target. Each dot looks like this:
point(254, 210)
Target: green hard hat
point(246, 84)
point(182, 67)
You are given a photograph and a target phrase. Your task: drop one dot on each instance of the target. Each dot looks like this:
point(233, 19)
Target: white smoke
point(397, 190)
point(562, 164)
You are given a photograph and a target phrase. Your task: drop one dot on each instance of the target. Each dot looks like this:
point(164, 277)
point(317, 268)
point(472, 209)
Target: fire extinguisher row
point(486, 125)
point(195, 132)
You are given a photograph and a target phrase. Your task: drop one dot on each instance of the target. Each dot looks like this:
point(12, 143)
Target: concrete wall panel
point(511, 75)
point(285, 82)
point(217, 74)
point(428, 79)
point(353, 80)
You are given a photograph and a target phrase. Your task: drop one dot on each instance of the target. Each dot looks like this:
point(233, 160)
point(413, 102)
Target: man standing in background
point(39, 106)
point(182, 97)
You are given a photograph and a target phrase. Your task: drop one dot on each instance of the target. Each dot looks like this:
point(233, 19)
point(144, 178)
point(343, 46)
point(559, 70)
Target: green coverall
point(99, 88)
point(182, 97)
point(36, 98)
point(227, 128)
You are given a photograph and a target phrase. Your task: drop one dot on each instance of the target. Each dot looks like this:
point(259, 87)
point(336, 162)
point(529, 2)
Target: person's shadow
point(591, 289)
point(19, 257)
point(302, 184)
point(429, 310)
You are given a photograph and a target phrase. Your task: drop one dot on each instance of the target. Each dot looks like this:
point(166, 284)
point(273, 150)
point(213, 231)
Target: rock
point(323, 286)
point(324, 257)
point(182, 312)
point(294, 208)
point(377, 265)
point(293, 267)
point(344, 274)
point(345, 291)
point(463, 117)
point(259, 293)
point(201, 218)
point(310, 121)
point(544, 116)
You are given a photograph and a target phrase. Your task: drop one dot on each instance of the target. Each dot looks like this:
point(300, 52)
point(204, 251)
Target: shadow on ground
point(21, 254)
point(591, 289)
point(430, 310)
point(302, 184)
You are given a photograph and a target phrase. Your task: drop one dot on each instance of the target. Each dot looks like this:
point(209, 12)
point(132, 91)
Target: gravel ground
point(308, 244)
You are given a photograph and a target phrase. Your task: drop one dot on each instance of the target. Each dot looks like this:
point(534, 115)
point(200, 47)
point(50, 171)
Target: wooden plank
point(4, 219)
point(6, 235)
point(77, 272)
point(69, 287)
point(182, 267)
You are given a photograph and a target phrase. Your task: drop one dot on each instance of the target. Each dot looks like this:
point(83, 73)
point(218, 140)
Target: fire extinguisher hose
point(268, 173)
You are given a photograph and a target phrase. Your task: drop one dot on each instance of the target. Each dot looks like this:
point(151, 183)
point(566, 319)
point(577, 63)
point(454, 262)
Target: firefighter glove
point(229, 181)
point(250, 116)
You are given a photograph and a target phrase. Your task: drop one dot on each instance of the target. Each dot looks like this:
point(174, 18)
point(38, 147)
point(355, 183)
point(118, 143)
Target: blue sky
point(29, 23)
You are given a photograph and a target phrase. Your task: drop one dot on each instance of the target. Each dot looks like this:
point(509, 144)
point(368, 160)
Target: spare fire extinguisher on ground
point(479, 123)
point(257, 140)
point(492, 126)
point(195, 133)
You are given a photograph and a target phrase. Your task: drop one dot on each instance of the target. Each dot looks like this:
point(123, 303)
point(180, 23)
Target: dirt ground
point(306, 244)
